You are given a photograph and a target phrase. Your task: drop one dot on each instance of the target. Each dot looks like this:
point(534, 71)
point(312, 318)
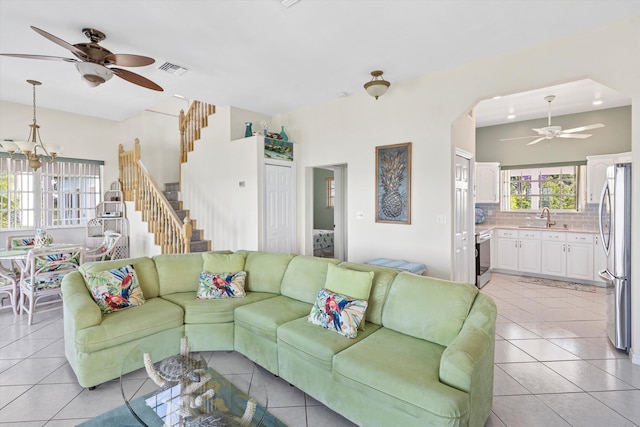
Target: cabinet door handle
point(516, 243)
point(568, 248)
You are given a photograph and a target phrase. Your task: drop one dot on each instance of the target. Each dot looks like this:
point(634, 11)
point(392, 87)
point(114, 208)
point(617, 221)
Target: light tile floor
point(554, 367)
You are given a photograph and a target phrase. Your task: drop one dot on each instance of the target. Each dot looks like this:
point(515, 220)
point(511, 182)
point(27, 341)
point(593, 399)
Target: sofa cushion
point(155, 315)
point(221, 285)
point(427, 308)
point(382, 279)
point(401, 371)
point(145, 270)
point(115, 289)
point(221, 263)
point(178, 272)
point(352, 283)
point(304, 277)
point(212, 310)
point(264, 317)
point(265, 270)
point(338, 313)
point(314, 344)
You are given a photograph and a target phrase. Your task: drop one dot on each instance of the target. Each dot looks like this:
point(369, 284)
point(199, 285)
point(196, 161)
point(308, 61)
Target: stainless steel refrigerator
point(615, 231)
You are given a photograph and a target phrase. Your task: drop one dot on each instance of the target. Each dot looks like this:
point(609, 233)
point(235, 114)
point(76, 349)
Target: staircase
point(170, 224)
point(197, 244)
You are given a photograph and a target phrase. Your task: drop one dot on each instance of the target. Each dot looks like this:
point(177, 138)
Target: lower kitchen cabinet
point(519, 250)
point(565, 255)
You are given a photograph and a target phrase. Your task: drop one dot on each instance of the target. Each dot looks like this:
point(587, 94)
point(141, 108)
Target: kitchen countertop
point(482, 227)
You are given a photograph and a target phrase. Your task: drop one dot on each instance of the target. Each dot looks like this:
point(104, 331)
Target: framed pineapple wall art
point(393, 183)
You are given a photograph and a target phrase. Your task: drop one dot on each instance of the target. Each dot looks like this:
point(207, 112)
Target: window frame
point(77, 182)
point(330, 191)
point(542, 170)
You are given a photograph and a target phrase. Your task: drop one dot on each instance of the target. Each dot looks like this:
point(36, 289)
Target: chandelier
point(33, 144)
point(377, 86)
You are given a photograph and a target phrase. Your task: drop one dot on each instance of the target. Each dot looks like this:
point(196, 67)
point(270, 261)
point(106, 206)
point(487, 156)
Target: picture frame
point(393, 183)
point(278, 149)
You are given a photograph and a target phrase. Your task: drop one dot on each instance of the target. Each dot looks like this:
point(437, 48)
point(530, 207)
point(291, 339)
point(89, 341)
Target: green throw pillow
point(221, 263)
point(355, 284)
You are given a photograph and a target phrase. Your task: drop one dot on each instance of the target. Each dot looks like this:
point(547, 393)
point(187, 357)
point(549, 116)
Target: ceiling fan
point(95, 63)
point(550, 132)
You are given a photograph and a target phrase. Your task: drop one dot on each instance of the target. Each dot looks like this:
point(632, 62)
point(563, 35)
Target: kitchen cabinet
point(597, 172)
point(519, 250)
point(487, 184)
point(567, 255)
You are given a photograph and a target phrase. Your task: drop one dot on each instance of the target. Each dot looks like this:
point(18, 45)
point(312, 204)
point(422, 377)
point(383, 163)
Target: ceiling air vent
point(174, 69)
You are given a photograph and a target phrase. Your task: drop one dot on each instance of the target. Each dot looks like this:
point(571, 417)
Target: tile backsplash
point(586, 220)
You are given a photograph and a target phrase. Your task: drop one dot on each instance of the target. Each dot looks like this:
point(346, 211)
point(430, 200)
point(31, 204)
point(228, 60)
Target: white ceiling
point(260, 56)
point(572, 97)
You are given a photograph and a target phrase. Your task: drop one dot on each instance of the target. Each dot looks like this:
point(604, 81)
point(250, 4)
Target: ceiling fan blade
point(127, 60)
point(136, 79)
point(59, 41)
point(520, 137)
point(535, 141)
point(574, 135)
point(541, 131)
point(581, 128)
point(48, 58)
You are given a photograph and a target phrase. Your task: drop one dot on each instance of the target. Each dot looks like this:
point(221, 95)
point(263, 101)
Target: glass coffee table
point(183, 390)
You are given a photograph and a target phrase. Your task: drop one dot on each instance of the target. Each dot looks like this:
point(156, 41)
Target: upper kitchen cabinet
point(487, 182)
point(597, 172)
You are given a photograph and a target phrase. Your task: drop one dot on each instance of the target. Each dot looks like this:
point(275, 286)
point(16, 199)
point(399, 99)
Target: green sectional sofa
point(424, 357)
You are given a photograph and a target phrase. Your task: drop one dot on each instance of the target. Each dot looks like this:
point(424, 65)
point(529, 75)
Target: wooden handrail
point(190, 125)
point(170, 233)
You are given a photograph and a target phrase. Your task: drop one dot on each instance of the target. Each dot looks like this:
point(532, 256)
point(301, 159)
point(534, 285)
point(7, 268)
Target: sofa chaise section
point(95, 344)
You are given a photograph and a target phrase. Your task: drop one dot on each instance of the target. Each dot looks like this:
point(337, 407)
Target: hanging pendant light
point(33, 143)
point(377, 86)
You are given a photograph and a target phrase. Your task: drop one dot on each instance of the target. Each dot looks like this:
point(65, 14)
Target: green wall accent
point(322, 216)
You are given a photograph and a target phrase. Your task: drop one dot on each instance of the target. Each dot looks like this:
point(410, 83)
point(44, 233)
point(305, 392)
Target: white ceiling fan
point(550, 132)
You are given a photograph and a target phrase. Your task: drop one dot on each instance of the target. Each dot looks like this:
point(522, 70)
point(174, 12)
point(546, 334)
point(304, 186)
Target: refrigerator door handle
point(602, 201)
point(606, 276)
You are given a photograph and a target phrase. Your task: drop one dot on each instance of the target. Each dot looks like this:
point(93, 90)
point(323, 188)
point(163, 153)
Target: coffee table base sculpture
point(188, 371)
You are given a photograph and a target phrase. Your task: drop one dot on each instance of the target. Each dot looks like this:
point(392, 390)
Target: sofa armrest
point(78, 303)
point(467, 363)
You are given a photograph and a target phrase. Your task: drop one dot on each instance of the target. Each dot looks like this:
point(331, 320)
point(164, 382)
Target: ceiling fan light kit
point(93, 74)
point(94, 62)
point(549, 132)
point(377, 86)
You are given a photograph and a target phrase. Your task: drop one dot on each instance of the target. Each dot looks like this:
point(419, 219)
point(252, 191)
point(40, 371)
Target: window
point(331, 191)
point(535, 188)
point(68, 191)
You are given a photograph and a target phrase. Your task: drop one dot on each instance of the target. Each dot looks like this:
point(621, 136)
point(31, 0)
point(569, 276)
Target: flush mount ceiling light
point(30, 147)
point(377, 86)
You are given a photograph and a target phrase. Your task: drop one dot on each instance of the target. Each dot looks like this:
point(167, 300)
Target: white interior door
point(279, 209)
point(340, 212)
point(464, 244)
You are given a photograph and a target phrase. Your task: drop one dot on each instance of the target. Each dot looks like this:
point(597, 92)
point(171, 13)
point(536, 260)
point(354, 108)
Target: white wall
point(228, 213)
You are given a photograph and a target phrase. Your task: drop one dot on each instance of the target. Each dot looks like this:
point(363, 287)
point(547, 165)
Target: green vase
point(247, 130)
point(283, 134)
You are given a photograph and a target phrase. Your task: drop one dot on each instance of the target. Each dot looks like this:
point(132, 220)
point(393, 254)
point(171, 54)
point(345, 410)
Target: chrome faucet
point(548, 216)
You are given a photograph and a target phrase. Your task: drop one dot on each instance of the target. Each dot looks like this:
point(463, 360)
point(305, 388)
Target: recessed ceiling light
point(511, 116)
point(597, 102)
point(342, 94)
point(288, 3)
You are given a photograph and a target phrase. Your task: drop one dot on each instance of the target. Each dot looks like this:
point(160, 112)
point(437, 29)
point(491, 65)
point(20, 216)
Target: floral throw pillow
point(221, 285)
point(338, 313)
point(115, 289)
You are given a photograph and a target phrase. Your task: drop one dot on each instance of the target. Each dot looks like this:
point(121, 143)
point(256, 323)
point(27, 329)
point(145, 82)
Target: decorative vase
point(42, 238)
point(283, 134)
point(247, 130)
